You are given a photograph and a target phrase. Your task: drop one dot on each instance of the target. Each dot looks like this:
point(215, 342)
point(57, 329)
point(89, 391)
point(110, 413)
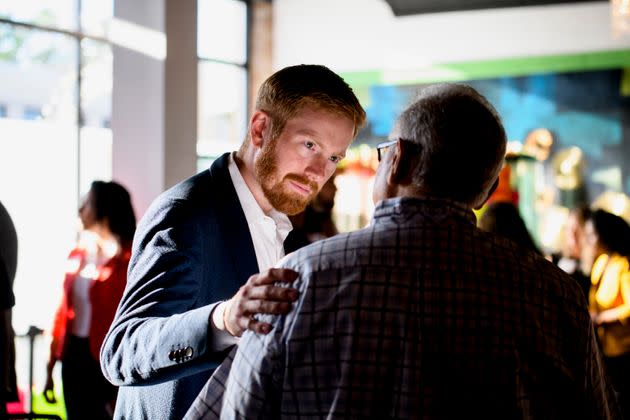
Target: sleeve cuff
point(218, 337)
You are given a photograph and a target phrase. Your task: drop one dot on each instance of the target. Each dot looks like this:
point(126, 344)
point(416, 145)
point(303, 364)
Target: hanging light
point(620, 14)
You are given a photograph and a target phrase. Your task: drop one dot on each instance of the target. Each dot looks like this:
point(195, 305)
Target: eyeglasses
point(382, 147)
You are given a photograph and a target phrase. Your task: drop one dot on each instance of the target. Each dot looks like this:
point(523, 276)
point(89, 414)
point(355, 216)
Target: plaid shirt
point(419, 315)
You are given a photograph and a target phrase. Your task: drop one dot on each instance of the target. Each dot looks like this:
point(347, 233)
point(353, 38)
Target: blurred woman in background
point(94, 283)
point(605, 255)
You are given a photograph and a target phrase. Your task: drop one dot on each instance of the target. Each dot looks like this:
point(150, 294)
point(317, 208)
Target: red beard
point(279, 194)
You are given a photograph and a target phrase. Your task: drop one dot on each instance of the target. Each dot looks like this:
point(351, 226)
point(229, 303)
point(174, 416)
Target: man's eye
point(335, 159)
point(309, 144)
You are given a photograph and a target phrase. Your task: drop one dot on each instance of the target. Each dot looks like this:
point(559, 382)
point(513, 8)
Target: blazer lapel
point(236, 236)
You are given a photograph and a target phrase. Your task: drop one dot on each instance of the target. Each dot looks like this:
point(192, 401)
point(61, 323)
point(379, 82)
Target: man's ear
point(492, 189)
point(259, 125)
point(402, 164)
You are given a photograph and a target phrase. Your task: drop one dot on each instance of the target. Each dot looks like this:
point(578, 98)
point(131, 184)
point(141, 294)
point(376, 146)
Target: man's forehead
point(307, 131)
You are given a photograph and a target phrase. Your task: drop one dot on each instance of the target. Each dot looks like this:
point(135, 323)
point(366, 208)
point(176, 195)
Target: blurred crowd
point(595, 251)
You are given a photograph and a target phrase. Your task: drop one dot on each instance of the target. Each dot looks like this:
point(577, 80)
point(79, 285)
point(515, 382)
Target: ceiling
point(413, 7)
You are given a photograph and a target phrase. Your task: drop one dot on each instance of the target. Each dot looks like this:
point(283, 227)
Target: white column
point(180, 128)
point(154, 98)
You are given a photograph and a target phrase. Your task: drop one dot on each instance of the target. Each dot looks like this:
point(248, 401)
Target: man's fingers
point(273, 293)
point(273, 275)
point(249, 323)
point(261, 296)
point(251, 307)
point(259, 327)
point(283, 274)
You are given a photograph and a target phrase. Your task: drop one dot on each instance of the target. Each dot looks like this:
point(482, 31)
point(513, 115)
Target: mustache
point(303, 180)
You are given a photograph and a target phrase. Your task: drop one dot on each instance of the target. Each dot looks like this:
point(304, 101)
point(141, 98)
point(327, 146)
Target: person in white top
point(192, 287)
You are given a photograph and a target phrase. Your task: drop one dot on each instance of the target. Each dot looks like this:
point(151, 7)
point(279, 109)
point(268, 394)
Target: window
point(38, 69)
point(95, 135)
point(31, 113)
point(222, 109)
point(55, 138)
point(55, 142)
point(53, 14)
point(222, 91)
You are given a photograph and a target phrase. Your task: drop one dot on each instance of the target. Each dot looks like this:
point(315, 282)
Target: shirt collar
point(252, 210)
point(426, 209)
point(283, 223)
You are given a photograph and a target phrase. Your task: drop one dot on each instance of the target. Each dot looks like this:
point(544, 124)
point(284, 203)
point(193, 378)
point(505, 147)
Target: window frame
point(244, 66)
point(77, 38)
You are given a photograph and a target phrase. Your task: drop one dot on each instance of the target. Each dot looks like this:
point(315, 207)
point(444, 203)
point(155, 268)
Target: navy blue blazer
point(192, 249)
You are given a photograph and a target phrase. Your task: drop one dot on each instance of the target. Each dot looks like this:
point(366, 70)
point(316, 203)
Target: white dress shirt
point(268, 232)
